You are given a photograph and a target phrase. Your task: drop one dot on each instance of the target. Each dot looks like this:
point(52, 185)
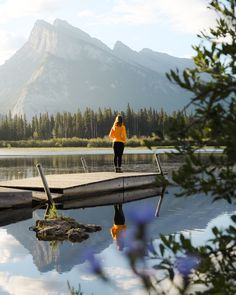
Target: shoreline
point(67, 151)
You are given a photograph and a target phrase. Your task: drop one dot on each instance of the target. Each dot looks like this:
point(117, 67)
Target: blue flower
point(186, 264)
point(141, 214)
point(134, 247)
point(95, 264)
point(151, 248)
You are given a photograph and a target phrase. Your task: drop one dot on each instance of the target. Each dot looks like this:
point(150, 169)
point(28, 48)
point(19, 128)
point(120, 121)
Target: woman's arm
point(123, 133)
point(111, 134)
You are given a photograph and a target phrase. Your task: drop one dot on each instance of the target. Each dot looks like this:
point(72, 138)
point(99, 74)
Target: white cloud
point(10, 249)
point(9, 44)
point(182, 15)
point(19, 285)
point(86, 13)
point(15, 8)
point(125, 280)
point(188, 16)
point(88, 277)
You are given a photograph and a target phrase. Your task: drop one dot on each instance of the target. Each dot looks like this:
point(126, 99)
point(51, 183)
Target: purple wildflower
point(95, 264)
point(141, 214)
point(151, 248)
point(134, 247)
point(186, 264)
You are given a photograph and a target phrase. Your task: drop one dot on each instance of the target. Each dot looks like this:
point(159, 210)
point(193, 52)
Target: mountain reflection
point(176, 214)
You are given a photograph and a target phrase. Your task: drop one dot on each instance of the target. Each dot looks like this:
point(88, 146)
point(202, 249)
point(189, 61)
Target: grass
point(76, 142)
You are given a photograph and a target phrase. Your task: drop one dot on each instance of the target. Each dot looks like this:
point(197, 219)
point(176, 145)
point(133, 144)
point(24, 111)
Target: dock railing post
point(160, 201)
point(156, 156)
point(84, 164)
point(45, 184)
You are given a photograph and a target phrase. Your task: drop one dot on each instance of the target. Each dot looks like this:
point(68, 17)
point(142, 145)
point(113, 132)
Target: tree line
point(89, 124)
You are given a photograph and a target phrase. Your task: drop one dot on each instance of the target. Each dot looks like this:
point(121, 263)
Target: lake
point(29, 266)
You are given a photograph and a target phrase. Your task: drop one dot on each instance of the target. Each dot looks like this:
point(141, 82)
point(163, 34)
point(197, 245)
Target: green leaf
point(233, 217)
point(171, 273)
point(162, 249)
point(215, 231)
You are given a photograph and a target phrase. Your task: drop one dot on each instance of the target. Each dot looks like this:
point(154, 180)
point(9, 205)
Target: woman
point(118, 136)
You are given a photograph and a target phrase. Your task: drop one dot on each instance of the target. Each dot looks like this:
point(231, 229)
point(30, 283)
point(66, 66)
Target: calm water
point(22, 166)
point(29, 266)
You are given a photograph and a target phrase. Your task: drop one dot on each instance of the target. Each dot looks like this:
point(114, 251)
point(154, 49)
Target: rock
point(51, 233)
point(71, 223)
point(61, 229)
point(90, 227)
point(77, 235)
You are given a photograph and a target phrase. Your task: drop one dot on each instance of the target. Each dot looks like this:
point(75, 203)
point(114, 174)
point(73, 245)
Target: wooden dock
point(112, 198)
point(71, 186)
point(14, 198)
point(13, 215)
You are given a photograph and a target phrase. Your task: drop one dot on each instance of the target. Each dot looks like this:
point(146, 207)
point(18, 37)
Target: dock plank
point(13, 215)
point(112, 198)
point(75, 184)
point(14, 198)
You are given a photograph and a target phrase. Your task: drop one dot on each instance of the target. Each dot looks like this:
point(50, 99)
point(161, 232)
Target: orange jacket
point(118, 133)
point(116, 230)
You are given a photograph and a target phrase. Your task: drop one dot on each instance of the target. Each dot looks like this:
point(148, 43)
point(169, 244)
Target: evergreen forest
point(89, 124)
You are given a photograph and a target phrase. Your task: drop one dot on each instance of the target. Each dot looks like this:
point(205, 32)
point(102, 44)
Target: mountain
point(156, 61)
point(61, 68)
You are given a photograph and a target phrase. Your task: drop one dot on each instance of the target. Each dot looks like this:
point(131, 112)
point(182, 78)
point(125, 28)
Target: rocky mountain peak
point(63, 26)
point(119, 46)
point(146, 51)
point(125, 53)
point(61, 23)
point(61, 39)
point(43, 37)
point(62, 68)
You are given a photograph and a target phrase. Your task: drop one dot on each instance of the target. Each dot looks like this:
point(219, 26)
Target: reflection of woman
point(118, 136)
point(119, 226)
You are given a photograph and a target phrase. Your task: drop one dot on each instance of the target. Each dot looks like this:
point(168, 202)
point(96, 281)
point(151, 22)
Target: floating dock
point(112, 198)
point(71, 186)
point(13, 215)
point(14, 198)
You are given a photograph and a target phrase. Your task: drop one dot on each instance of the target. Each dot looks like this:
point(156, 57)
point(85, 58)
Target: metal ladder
point(157, 159)
point(84, 164)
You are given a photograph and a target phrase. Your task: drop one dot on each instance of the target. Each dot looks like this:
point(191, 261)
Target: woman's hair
point(118, 120)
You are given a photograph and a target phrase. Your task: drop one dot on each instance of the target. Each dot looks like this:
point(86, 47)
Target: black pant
point(118, 148)
point(119, 218)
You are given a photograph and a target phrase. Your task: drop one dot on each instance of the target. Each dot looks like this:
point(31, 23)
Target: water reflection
point(28, 285)
point(111, 198)
point(9, 216)
point(177, 214)
point(119, 227)
point(158, 208)
point(24, 167)
point(11, 249)
point(28, 263)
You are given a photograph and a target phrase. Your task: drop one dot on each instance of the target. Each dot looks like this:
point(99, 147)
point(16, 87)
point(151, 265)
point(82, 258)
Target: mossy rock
point(60, 229)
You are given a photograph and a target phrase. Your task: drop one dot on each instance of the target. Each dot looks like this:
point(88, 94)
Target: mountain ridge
point(61, 68)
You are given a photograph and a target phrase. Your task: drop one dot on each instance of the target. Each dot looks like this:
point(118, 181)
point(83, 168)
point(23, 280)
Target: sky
point(169, 26)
